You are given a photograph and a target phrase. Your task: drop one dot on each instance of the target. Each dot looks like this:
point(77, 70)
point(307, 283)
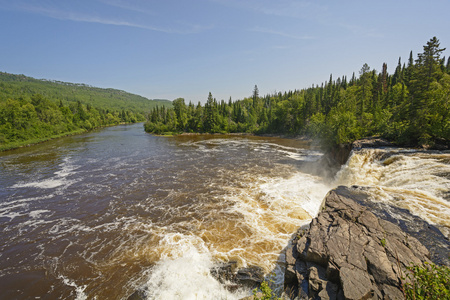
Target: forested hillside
point(410, 106)
point(34, 110)
point(15, 86)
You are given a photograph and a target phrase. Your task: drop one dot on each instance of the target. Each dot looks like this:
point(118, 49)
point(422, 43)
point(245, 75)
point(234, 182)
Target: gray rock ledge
point(349, 253)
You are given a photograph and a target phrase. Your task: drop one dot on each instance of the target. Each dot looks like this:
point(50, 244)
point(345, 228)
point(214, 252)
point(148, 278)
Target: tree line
point(15, 86)
point(34, 110)
point(32, 119)
point(410, 107)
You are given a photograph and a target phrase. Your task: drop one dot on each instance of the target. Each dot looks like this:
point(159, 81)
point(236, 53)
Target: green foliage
point(266, 292)
point(34, 110)
point(16, 86)
point(34, 119)
point(427, 282)
point(410, 107)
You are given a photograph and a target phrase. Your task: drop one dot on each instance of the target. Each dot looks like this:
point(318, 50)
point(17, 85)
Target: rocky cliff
point(349, 253)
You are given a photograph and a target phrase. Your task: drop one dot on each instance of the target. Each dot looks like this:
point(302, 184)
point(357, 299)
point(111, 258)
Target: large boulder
point(349, 253)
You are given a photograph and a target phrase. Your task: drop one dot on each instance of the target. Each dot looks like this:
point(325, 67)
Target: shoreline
point(270, 135)
point(37, 141)
point(318, 264)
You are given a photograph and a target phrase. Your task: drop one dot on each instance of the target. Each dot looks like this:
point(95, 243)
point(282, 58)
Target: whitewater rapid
point(102, 215)
point(418, 181)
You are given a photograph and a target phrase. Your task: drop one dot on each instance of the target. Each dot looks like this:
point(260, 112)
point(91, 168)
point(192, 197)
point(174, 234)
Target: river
point(102, 214)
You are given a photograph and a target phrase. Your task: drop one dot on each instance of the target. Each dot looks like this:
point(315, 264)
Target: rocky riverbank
point(350, 253)
point(356, 248)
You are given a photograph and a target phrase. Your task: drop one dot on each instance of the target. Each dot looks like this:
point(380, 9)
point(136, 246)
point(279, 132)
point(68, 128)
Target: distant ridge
point(36, 110)
point(14, 86)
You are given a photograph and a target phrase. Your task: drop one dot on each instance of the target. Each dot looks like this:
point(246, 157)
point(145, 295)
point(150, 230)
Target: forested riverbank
point(33, 111)
point(409, 107)
point(114, 211)
point(31, 120)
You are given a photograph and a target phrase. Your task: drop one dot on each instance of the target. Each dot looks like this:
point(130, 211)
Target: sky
point(167, 49)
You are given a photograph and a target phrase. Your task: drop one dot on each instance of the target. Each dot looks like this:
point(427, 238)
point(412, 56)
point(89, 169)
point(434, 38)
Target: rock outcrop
point(434, 237)
point(337, 156)
point(371, 142)
point(234, 278)
point(349, 253)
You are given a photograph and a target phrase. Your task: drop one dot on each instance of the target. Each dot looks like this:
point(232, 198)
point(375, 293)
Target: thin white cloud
point(295, 9)
point(280, 8)
point(127, 5)
point(280, 47)
point(79, 17)
point(361, 31)
point(281, 33)
point(66, 15)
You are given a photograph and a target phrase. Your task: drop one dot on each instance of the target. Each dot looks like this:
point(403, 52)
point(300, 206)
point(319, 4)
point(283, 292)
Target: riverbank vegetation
point(16, 86)
point(427, 282)
point(33, 111)
point(409, 107)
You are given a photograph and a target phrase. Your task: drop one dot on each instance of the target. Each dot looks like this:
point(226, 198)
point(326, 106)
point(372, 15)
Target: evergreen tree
point(409, 68)
point(365, 90)
point(181, 113)
point(426, 71)
point(344, 82)
point(410, 107)
point(397, 77)
point(428, 62)
point(353, 80)
point(384, 79)
point(211, 115)
point(255, 97)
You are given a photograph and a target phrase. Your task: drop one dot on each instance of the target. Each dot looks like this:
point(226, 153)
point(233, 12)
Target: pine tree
point(255, 98)
point(352, 80)
point(443, 68)
point(365, 90)
point(398, 73)
point(211, 114)
point(410, 60)
point(384, 79)
point(428, 62)
point(344, 82)
point(448, 65)
point(181, 113)
point(426, 71)
point(408, 69)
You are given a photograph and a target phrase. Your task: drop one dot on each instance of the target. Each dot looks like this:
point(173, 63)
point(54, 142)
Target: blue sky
point(172, 48)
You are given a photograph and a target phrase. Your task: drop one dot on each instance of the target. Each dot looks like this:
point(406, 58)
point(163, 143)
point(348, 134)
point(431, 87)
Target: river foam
point(139, 212)
point(183, 272)
point(245, 213)
point(60, 178)
point(408, 179)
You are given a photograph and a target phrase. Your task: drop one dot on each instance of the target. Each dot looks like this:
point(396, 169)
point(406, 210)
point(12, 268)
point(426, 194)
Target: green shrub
point(427, 282)
point(266, 292)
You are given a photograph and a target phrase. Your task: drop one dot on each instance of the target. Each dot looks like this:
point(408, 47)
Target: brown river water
point(100, 215)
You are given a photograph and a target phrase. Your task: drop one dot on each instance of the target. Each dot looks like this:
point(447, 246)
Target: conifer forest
point(410, 107)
